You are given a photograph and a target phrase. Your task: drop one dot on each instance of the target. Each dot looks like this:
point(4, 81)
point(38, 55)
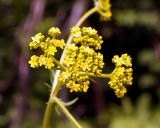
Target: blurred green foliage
point(139, 115)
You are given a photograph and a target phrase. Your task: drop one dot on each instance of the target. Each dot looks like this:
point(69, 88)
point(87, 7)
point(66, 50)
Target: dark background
point(134, 29)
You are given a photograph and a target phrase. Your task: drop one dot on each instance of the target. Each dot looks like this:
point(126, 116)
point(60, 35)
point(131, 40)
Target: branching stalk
point(64, 109)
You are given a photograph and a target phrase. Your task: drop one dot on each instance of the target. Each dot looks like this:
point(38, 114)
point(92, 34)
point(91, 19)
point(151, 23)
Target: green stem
point(47, 115)
point(86, 15)
point(59, 64)
point(97, 75)
point(64, 109)
point(48, 110)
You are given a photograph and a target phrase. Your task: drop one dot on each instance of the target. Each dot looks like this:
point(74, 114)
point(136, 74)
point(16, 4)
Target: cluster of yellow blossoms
point(122, 74)
point(87, 37)
point(104, 8)
point(48, 46)
point(81, 59)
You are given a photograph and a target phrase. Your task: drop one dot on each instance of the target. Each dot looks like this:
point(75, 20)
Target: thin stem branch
point(64, 109)
point(59, 64)
point(86, 15)
point(97, 75)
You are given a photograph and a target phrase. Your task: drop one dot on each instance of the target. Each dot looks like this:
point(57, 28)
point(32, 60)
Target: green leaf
point(57, 110)
point(49, 86)
point(70, 102)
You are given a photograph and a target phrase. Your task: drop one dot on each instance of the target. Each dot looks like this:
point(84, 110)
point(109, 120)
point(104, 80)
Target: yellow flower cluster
point(122, 74)
point(81, 58)
point(48, 45)
point(104, 7)
point(87, 36)
point(124, 60)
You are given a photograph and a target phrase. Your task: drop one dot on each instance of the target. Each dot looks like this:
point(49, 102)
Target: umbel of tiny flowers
point(122, 74)
point(104, 8)
point(81, 61)
point(49, 47)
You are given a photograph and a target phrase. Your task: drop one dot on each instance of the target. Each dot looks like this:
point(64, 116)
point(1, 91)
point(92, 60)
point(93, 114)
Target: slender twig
point(96, 75)
point(64, 109)
point(59, 64)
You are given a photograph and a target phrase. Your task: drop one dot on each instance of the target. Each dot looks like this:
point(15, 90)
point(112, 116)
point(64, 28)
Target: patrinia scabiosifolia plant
point(80, 61)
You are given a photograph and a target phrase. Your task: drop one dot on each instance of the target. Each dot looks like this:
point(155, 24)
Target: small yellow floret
point(42, 60)
point(33, 45)
point(78, 87)
point(51, 50)
point(76, 31)
point(34, 61)
point(124, 60)
point(38, 38)
point(73, 86)
point(49, 63)
point(57, 43)
point(86, 86)
point(54, 32)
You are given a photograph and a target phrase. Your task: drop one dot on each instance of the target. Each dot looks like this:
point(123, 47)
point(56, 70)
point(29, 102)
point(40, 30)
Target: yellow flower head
point(104, 7)
point(38, 38)
point(42, 60)
point(124, 60)
point(86, 36)
point(34, 61)
point(54, 32)
point(122, 74)
point(78, 87)
point(48, 45)
point(49, 63)
point(81, 57)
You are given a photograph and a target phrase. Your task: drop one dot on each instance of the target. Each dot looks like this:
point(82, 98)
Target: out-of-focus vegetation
point(138, 115)
point(134, 28)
